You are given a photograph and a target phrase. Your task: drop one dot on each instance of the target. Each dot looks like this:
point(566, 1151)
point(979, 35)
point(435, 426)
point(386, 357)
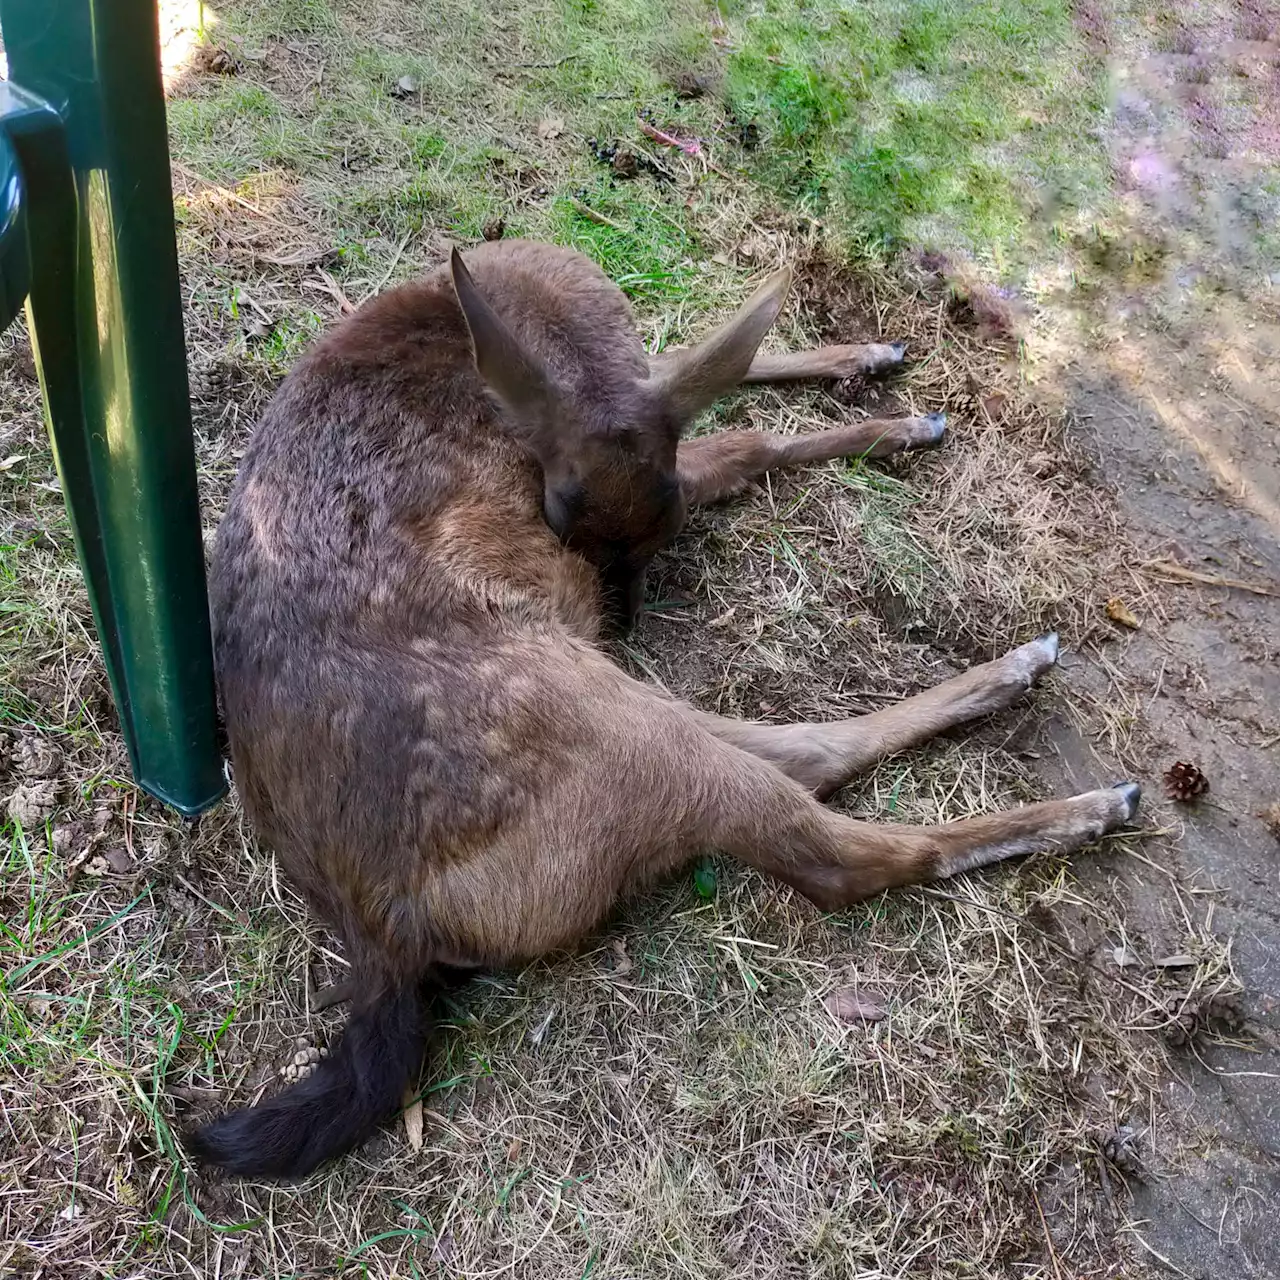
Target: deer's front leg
point(716, 467)
point(845, 361)
point(827, 362)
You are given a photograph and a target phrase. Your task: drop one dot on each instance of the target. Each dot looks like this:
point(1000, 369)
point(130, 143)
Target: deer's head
point(605, 424)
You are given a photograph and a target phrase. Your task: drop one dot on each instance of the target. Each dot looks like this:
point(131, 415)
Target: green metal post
point(87, 183)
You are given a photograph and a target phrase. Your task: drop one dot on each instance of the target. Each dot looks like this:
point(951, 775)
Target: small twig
point(590, 213)
point(543, 66)
point(1105, 1178)
point(225, 192)
point(127, 810)
point(668, 139)
point(334, 290)
point(1048, 1239)
point(391, 266)
point(1183, 574)
point(1173, 1266)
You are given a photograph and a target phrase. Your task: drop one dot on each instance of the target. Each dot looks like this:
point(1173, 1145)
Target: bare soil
point(1171, 381)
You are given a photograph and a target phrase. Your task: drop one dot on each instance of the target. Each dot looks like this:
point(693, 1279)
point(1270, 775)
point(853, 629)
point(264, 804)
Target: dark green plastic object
point(86, 237)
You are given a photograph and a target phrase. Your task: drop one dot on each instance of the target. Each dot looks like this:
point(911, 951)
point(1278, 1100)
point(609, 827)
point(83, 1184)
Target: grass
point(674, 1100)
point(940, 124)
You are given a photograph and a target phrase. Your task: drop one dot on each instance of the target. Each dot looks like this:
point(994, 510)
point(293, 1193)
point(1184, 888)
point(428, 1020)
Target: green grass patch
point(954, 124)
point(943, 122)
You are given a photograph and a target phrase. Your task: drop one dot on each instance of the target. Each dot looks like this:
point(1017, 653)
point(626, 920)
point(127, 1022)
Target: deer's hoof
point(937, 424)
point(1030, 661)
point(1132, 794)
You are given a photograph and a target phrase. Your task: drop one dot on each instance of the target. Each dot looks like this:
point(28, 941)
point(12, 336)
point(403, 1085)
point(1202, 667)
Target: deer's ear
point(514, 375)
point(690, 381)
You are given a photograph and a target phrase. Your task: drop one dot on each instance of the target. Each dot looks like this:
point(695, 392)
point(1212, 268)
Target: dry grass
point(675, 1100)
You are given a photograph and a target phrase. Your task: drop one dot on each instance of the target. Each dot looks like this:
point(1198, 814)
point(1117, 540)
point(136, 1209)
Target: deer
point(446, 508)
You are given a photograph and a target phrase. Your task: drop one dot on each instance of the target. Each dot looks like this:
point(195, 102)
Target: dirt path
point(1175, 391)
point(1206, 689)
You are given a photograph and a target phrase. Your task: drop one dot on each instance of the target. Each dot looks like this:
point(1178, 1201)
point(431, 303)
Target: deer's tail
point(350, 1093)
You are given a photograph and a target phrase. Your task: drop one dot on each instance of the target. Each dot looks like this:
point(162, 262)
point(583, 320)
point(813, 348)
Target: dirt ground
point(1173, 388)
point(1076, 1071)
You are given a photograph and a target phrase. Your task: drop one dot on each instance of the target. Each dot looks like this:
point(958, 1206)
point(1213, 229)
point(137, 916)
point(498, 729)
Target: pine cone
point(1185, 782)
point(1271, 819)
point(1218, 1014)
point(1224, 1013)
point(1121, 1149)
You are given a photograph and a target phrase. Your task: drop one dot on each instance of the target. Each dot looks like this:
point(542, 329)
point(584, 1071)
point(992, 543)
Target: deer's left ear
point(513, 374)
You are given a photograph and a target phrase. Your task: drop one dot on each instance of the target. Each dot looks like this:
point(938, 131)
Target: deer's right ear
point(690, 381)
point(513, 374)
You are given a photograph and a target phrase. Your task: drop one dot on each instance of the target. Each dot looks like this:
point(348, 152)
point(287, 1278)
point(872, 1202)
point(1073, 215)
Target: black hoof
point(1132, 794)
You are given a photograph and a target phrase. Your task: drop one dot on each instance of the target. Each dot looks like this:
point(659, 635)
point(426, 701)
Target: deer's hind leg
point(635, 785)
point(716, 467)
point(824, 756)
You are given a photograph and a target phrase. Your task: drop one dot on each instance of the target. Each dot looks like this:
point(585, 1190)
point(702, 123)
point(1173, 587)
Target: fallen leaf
point(849, 1005)
point(32, 802)
point(405, 87)
point(12, 461)
point(1124, 957)
point(1180, 961)
point(1120, 612)
point(551, 127)
point(513, 1151)
point(621, 961)
point(993, 405)
point(538, 1034)
point(442, 1250)
point(413, 1119)
point(1271, 819)
point(210, 59)
point(37, 758)
point(118, 860)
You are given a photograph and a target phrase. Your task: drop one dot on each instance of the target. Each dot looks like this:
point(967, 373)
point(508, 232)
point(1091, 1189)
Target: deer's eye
point(562, 507)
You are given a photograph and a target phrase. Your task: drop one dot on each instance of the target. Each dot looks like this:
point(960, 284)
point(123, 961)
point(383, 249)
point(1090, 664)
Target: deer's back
point(384, 591)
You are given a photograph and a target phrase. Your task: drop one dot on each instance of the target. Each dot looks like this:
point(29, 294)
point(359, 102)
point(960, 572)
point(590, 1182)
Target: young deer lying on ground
point(408, 585)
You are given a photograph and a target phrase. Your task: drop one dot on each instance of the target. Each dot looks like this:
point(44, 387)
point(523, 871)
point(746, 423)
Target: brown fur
point(421, 724)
